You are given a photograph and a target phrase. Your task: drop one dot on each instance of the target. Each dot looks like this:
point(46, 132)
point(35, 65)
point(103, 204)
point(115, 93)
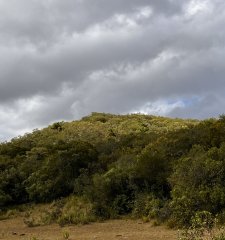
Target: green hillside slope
point(147, 166)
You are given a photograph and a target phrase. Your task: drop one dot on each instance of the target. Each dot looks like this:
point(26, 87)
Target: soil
point(13, 229)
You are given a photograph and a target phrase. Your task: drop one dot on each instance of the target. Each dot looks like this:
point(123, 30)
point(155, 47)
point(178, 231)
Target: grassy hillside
point(105, 166)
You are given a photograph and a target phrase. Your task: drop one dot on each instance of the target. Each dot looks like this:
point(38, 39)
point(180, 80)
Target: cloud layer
point(61, 60)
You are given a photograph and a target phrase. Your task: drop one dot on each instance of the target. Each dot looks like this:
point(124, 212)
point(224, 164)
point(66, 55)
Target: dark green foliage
point(198, 183)
point(152, 167)
point(57, 174)
point(112, 193)
point(148, 206)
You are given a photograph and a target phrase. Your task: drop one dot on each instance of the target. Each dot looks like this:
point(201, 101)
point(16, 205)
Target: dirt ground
point(14, 229)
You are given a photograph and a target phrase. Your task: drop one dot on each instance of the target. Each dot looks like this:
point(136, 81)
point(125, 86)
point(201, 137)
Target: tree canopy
point(139, 164)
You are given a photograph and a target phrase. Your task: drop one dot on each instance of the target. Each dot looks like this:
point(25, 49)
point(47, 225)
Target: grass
point(113, 229)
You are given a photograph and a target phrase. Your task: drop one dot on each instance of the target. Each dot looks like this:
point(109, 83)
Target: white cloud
point(161, 107)
point(196, 7)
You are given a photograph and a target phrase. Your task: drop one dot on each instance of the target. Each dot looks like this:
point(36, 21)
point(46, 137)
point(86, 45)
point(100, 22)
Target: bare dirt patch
point(14, 229)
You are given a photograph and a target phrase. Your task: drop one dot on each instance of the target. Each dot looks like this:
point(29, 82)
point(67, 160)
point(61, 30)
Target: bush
point(147, 206)
point(77, 210)
point(198, 184)
point(203, 226)
point(112, 193)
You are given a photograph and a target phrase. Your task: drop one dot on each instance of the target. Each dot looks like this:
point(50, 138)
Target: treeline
point(146, 166)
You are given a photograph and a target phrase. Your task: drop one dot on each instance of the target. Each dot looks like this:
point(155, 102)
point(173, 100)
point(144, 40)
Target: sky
point(60, 60)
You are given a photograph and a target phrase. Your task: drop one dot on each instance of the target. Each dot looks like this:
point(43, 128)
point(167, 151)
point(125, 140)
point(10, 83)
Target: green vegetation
point(105, 166)
point(203, 227)
point(66, 235)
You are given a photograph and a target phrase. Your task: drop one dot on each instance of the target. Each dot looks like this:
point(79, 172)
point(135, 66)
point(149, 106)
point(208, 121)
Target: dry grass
point(13, 229)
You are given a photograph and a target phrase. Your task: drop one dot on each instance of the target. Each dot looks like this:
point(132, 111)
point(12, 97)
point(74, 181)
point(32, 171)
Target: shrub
point(66, 235)
point(203, 227)
point(77, 210)
point(147, 206)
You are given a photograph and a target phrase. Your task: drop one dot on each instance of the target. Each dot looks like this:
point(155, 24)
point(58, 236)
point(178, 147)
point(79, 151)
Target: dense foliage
point(151, 167)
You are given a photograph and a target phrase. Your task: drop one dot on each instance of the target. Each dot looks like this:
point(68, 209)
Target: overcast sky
point(63, 59)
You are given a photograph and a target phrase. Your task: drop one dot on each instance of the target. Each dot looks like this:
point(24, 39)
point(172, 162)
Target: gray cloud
point(61, 60)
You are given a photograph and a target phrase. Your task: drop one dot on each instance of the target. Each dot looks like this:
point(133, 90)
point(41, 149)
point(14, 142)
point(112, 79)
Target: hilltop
point(105, 166)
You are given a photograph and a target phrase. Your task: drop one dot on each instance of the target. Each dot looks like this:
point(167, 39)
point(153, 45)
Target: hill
point(105, 166)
